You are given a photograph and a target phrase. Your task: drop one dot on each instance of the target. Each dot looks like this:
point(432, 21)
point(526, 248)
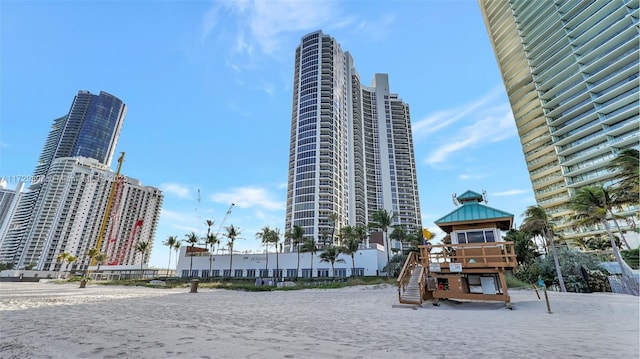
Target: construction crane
point(107, 212)
point(125, 248)
point(224, 219)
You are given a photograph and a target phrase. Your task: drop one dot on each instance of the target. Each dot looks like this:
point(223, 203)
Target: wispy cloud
point(483, 121)
point(511, 192)
point(246, 197)
point(466, 177)
point(264, 25)
point(176, 189)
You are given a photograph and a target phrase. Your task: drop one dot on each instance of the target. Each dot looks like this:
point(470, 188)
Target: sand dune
point(47, 320)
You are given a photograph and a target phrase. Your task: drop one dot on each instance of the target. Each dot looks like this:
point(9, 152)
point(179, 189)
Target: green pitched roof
point(469, 196)
point(473, 211)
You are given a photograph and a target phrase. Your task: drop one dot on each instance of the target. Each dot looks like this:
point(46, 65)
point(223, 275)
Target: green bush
point(571, 262)
point(632, 257)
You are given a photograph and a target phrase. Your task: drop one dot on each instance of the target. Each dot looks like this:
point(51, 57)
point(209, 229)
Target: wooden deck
point(459, 271)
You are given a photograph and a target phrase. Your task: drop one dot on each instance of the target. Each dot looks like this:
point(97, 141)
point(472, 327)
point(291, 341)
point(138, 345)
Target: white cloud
point(176, 189)
point(486, 120)
point(512, 192)
point(209, 22)
point(443, 118)
point(264, 25)
point(245, 197)
point(466, 177)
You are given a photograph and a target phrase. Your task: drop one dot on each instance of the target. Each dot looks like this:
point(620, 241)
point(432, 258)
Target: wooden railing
point(476, 255)
point(410, 265)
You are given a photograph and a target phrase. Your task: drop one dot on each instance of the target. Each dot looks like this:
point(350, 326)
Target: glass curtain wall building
point(570, 69)
point(351, 149)
point(90, 129)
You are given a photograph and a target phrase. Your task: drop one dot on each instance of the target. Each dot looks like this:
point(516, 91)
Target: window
point(205, 274)
point(358, 272)
point(292, 273)
point(185, 273)
point(306, 273)
point(251, 273)
point(238, 272)
point(264, 273)
point(323, 273)
point(277, 273)
point(195, 273)
point(215, 273)
point(340, 273)
point(226, 273)
point(476, 236)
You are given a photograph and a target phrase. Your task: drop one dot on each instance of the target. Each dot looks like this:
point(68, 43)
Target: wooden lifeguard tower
point(470, 265)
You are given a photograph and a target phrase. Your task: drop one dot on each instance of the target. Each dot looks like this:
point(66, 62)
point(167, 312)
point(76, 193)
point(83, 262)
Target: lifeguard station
point(471, 263)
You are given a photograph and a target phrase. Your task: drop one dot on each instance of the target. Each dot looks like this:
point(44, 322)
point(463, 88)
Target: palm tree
point(398, 234)
point(91, 253)
point(100, 258)
point(309, 245)
point(383, 219)
point(350, 245)
point(211, 241)
point(275, 239)
point(192, 239)
point(142, 247)
point(264, 237)
point(537, 222)
point(296, 235)
point(209, 223)
point(232, 234)
point(524, 247)
point(333, 217)
point(330, 255)
point(627, 168)
point(361, 233)
point(62, 258)
point(176, 247)
point(591, 207)
point(170, 242)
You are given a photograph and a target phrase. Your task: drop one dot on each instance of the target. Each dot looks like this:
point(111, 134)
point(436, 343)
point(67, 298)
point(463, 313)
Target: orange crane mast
point(107, 212)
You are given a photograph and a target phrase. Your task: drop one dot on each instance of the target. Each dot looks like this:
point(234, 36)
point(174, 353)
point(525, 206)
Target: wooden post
point(546, 297)
point(536, 289)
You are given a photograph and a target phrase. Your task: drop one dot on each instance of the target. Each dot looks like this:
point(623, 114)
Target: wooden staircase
point(411, 281)
point(412, 293)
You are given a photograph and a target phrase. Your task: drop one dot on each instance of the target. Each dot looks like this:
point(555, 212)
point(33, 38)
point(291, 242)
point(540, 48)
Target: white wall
point(371, 259)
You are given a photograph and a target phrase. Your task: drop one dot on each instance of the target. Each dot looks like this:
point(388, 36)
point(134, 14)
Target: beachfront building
point(8, 201)
point(70, 210)
point(351, 147)
point(570, 69)
point(201, 263)
point(90, 129)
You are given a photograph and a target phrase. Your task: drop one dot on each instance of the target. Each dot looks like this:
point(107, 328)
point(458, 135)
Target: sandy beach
point(48, 320)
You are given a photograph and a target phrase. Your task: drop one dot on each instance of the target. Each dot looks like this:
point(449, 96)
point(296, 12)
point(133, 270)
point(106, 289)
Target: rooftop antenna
point(484, 197)
point(455, 200)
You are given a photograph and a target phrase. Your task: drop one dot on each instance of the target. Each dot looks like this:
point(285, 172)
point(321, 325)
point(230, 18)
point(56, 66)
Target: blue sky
point(208, 87)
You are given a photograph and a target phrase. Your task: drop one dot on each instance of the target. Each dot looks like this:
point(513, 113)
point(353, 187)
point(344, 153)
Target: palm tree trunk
point(210, 261)
point(556, 261)
point(277, 274)
point(266, 265)
point(191, 263)
point(168, 265)
point(387, 249)
point(616, 252)
point(298, 266)
point(353, 265)
point(624, 240)
point(311, 275)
